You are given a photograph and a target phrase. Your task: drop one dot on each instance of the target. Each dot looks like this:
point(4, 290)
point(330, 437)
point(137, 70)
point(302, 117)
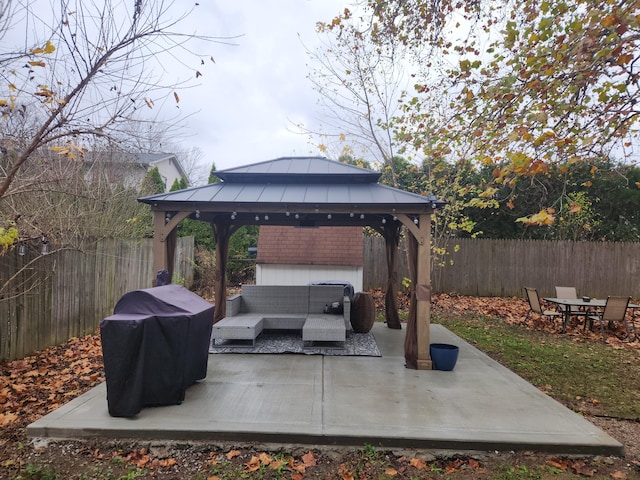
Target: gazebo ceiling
point(302, 191)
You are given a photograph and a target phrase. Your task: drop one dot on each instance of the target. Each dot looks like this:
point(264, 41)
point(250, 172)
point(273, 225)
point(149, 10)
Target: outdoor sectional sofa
point(286, 307)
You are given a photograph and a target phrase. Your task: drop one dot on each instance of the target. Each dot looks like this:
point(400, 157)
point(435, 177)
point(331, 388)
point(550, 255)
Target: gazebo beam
point(161, 233)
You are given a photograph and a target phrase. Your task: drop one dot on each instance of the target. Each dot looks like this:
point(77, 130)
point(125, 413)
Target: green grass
point(587, 376)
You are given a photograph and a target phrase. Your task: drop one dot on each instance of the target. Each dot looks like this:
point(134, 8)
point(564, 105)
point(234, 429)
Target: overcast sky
point(250, 98)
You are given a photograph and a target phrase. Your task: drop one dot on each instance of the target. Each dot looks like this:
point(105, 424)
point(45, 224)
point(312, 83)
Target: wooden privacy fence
point(486, 267)
point(49, 299)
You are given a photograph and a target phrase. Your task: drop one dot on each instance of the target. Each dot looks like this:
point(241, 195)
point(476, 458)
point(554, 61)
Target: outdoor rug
point(291, 342)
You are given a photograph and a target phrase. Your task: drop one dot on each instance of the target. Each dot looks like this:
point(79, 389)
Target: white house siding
point(273, 274)
point(168, 171)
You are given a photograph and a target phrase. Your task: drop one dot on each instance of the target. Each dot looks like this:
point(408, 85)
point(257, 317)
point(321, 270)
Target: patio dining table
point(585, 307)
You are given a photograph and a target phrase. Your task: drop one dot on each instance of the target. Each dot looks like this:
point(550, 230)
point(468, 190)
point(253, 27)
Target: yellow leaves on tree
point(543, 217)
point(47, 49)
point(70, 150)
point(8, 236)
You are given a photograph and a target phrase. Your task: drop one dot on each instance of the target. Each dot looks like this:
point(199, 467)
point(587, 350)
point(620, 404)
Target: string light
point(45, 246)
point(197, 213)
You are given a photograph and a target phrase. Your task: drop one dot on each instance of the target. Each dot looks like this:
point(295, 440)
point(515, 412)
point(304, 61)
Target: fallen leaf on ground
point(308, 459)
point(232, 454)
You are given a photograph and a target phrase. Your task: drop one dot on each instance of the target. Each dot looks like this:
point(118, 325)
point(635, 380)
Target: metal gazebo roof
point(290, 186)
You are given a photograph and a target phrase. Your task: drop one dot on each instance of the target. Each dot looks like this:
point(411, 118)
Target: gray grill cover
point(154, 346)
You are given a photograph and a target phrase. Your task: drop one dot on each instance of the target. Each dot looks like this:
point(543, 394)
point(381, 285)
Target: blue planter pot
point(444, 356)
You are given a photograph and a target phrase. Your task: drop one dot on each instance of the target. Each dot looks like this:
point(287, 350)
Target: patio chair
point(570, 292)
point(536, 307)
point(615, 310)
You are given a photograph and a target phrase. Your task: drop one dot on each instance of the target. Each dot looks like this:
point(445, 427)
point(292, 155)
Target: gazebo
point(307, 192)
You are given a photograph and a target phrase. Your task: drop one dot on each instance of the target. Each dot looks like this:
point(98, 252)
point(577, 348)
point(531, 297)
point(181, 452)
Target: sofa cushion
point(275, 299)
point(321, 295)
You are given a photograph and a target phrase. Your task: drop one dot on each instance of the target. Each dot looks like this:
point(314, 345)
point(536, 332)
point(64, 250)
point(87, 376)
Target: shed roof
point(310, 246)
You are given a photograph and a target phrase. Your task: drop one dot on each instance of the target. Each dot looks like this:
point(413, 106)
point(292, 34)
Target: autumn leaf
point(618, 475)
point(575, 208)
point(555, 463)
point(149, 102)
point(347, 475)
point(296, 476)
point(143, 461)
point(582, 469)
point(252, 465)
point(543, 217)
point(48, 48)
point(418, 463)
point(18, 388)
point(7, 418)
point(175, 95)
point(452, 467)
point(277, 464)
point(37, 63)
point(265, 458)
point(232, 454)
point(168, 462)
point(392, 472)
point(308, 459)
point(608, 21)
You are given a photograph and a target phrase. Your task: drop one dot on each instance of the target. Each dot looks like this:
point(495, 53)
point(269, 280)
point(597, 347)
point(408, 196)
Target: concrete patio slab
point(338, 400)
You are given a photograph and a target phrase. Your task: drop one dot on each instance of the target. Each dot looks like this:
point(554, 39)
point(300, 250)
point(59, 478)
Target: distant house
point(297, 256)
point(131, 168)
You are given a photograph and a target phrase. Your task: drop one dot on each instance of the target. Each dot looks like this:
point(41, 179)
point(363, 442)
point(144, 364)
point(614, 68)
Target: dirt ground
point(34, 386)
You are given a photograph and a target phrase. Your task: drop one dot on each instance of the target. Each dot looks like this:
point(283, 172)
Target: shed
point(297, 256)
point(309, 192)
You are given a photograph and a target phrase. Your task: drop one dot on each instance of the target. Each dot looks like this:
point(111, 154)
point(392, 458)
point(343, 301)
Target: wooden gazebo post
point(417, 337)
